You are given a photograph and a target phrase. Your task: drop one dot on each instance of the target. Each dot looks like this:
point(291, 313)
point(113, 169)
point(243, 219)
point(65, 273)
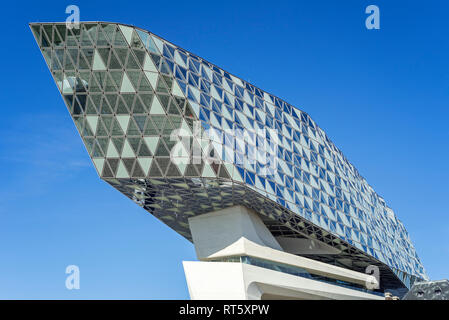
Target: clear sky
point(382, 96)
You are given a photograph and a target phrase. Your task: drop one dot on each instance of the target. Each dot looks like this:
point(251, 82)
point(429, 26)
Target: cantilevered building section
point(280, 199)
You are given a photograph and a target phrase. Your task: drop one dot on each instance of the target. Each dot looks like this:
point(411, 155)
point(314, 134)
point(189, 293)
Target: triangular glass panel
point(134, 78)
point(144, 151)
point(48, 32)
point(105, 107)
point(138, 172)
point(133, 130)
point(113, 163)
point(140, 121)
point(145, 85)
point(117, 77)
point(156, 60)
point(110, 84)
point(37, 33)
point(138, 106)
point(114, 63)
point(129, 163)
point(119, 40)
point(85, 38)
point(109, 30)
point(62, 31)
point(57, 40)
point(128, 98)
point(173, 109)
point(150, 129)
point(132, 62)
point(116, 129)
point(91, 108)
point(101, 130)
point(134, 143)
point(173, 171)
point(112, 100)
point(118, 142)
point(121, 107)
point(100, 76)
point(101, 38)
point(88, 55)
point(147, 100)
point(107, 172)
point(121, 54)
point(154, 170)
point(140, 54)
point(162, 150)
point(104, 54)
point(72, 38)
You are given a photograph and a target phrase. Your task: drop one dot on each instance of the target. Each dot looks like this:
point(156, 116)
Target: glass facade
point(182, 137)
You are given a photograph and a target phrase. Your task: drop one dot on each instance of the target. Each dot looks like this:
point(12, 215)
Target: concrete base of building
point(240, 259)
point(240, 281)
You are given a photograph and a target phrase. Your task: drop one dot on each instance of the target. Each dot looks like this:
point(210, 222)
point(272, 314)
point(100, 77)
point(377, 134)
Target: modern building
point(273, 207)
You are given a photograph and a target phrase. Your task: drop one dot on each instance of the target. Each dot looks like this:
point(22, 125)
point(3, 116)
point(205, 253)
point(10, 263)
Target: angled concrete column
point(216, 231)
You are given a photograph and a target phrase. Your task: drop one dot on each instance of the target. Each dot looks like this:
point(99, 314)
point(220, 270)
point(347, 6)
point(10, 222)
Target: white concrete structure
point(239, 235)
point(235, 280)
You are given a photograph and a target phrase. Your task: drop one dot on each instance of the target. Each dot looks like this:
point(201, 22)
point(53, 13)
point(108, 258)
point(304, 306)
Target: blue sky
point(381, 95)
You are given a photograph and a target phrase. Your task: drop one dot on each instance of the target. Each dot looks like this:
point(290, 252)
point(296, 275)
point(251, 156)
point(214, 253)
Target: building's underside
point(127, 90)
